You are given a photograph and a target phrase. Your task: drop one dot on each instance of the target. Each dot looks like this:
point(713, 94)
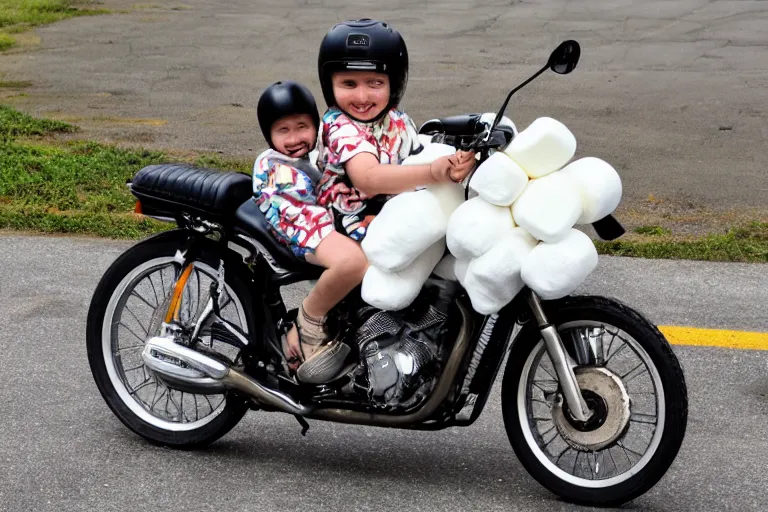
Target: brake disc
point(606, 395)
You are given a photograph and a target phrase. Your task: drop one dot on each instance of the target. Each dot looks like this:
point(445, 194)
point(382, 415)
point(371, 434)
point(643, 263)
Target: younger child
point(284, 179)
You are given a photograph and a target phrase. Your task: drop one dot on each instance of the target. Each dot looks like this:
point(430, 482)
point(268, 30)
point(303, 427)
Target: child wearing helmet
point(363, 68)
point(284, 180)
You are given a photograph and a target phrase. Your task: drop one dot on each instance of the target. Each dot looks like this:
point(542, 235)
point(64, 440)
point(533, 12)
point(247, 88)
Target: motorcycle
point(184, 331)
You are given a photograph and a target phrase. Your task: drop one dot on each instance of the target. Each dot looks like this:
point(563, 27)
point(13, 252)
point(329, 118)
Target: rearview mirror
point(565, 57)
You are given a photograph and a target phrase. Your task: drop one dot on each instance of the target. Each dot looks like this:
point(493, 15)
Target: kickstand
point(303, 423)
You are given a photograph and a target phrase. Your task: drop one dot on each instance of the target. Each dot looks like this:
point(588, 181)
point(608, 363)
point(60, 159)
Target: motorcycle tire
point(114, 392)
point(610, 492)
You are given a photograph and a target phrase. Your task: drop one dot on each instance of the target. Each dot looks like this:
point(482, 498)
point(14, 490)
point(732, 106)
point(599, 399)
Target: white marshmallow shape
point(499, 180)
point(598, 184)
point(548, 207)
point(493, 279)
point(489, 117)
point(542, 148)
point(425, 139)
point(429, 154)
point(556, 270)
point(460, 270)
point(408, 224)
point(449, 196)
point(395, 291)
point(475, 226)
point(445, 269)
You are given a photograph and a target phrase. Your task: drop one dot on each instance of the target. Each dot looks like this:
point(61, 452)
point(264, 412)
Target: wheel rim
point(134, 314)
point(617, 353)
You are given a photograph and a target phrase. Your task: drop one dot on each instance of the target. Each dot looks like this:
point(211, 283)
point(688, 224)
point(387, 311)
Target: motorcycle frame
point(490, 340)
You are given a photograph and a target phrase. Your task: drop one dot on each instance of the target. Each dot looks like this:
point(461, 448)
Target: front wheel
point(127, 309)
point(628, 376)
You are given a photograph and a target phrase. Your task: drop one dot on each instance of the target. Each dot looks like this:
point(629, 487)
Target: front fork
point(563, 362)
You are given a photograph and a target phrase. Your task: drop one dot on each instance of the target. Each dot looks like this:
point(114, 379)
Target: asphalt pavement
point(62, 449)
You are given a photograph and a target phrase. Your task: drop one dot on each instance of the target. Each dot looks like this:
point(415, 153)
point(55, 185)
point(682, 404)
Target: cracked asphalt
point(673, 94)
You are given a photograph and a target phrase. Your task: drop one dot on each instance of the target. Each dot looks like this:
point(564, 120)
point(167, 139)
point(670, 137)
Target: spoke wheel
point(624, 391)
point(632, 382)
point(134, 315)
point(127, 309)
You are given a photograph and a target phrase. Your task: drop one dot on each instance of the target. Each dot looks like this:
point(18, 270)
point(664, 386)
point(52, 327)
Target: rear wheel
point(127, 309)
point(632, 381)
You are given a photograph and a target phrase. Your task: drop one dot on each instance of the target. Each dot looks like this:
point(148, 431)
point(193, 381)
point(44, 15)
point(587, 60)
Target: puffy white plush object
point(429, 154)
point(408, 224)
point(449, 196)
point(556, 270)
point(499, 180)
point(425, 139)
point(475, 226)
point(599, 185)
point(395, 291)
point(460, 269)
point(493, 279)
point(445, 269)
point(542, 148)
point(548, 207)
point(488, 118)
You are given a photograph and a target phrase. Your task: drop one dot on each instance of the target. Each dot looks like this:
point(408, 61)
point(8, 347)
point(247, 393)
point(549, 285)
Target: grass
point(21, 15)
point(747, 243)
point(53, 186)
point(652, 230)
point(14, 124)
point(14, 84)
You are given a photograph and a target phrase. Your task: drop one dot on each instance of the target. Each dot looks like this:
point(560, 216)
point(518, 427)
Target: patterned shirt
point(390, 139)
point(284, 189)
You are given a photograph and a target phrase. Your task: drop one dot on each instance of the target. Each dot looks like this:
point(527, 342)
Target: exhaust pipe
point(192, 371)
point(187, 369)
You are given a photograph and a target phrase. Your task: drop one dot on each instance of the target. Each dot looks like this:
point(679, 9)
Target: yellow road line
point(715, 337)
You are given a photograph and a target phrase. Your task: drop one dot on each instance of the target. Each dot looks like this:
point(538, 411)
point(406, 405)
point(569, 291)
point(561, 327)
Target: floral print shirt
point(390, 139)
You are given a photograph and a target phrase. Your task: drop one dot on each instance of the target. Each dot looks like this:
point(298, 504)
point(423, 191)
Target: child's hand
point(454, 167)
point(463, 162)
point(441, 168)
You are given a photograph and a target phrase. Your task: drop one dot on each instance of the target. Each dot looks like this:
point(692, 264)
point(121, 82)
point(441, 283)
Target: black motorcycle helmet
point(364, 45)
point(284, 99)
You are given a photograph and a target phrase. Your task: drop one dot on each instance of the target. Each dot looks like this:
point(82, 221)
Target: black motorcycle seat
point(171, 188)
point(250, 221)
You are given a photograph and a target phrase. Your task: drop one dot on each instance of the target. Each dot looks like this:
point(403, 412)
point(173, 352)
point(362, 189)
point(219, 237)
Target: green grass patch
point(115, 225)
point(82, 176)
point(6, 41)
point(54, 186)
point(10, 84)
point(14, 124)
point(229, 164)
point(747, 243)
point(20, 15)
point(652, 230)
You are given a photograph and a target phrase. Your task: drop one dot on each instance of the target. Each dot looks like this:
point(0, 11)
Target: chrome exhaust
point(182, 366)
point(186, 369)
